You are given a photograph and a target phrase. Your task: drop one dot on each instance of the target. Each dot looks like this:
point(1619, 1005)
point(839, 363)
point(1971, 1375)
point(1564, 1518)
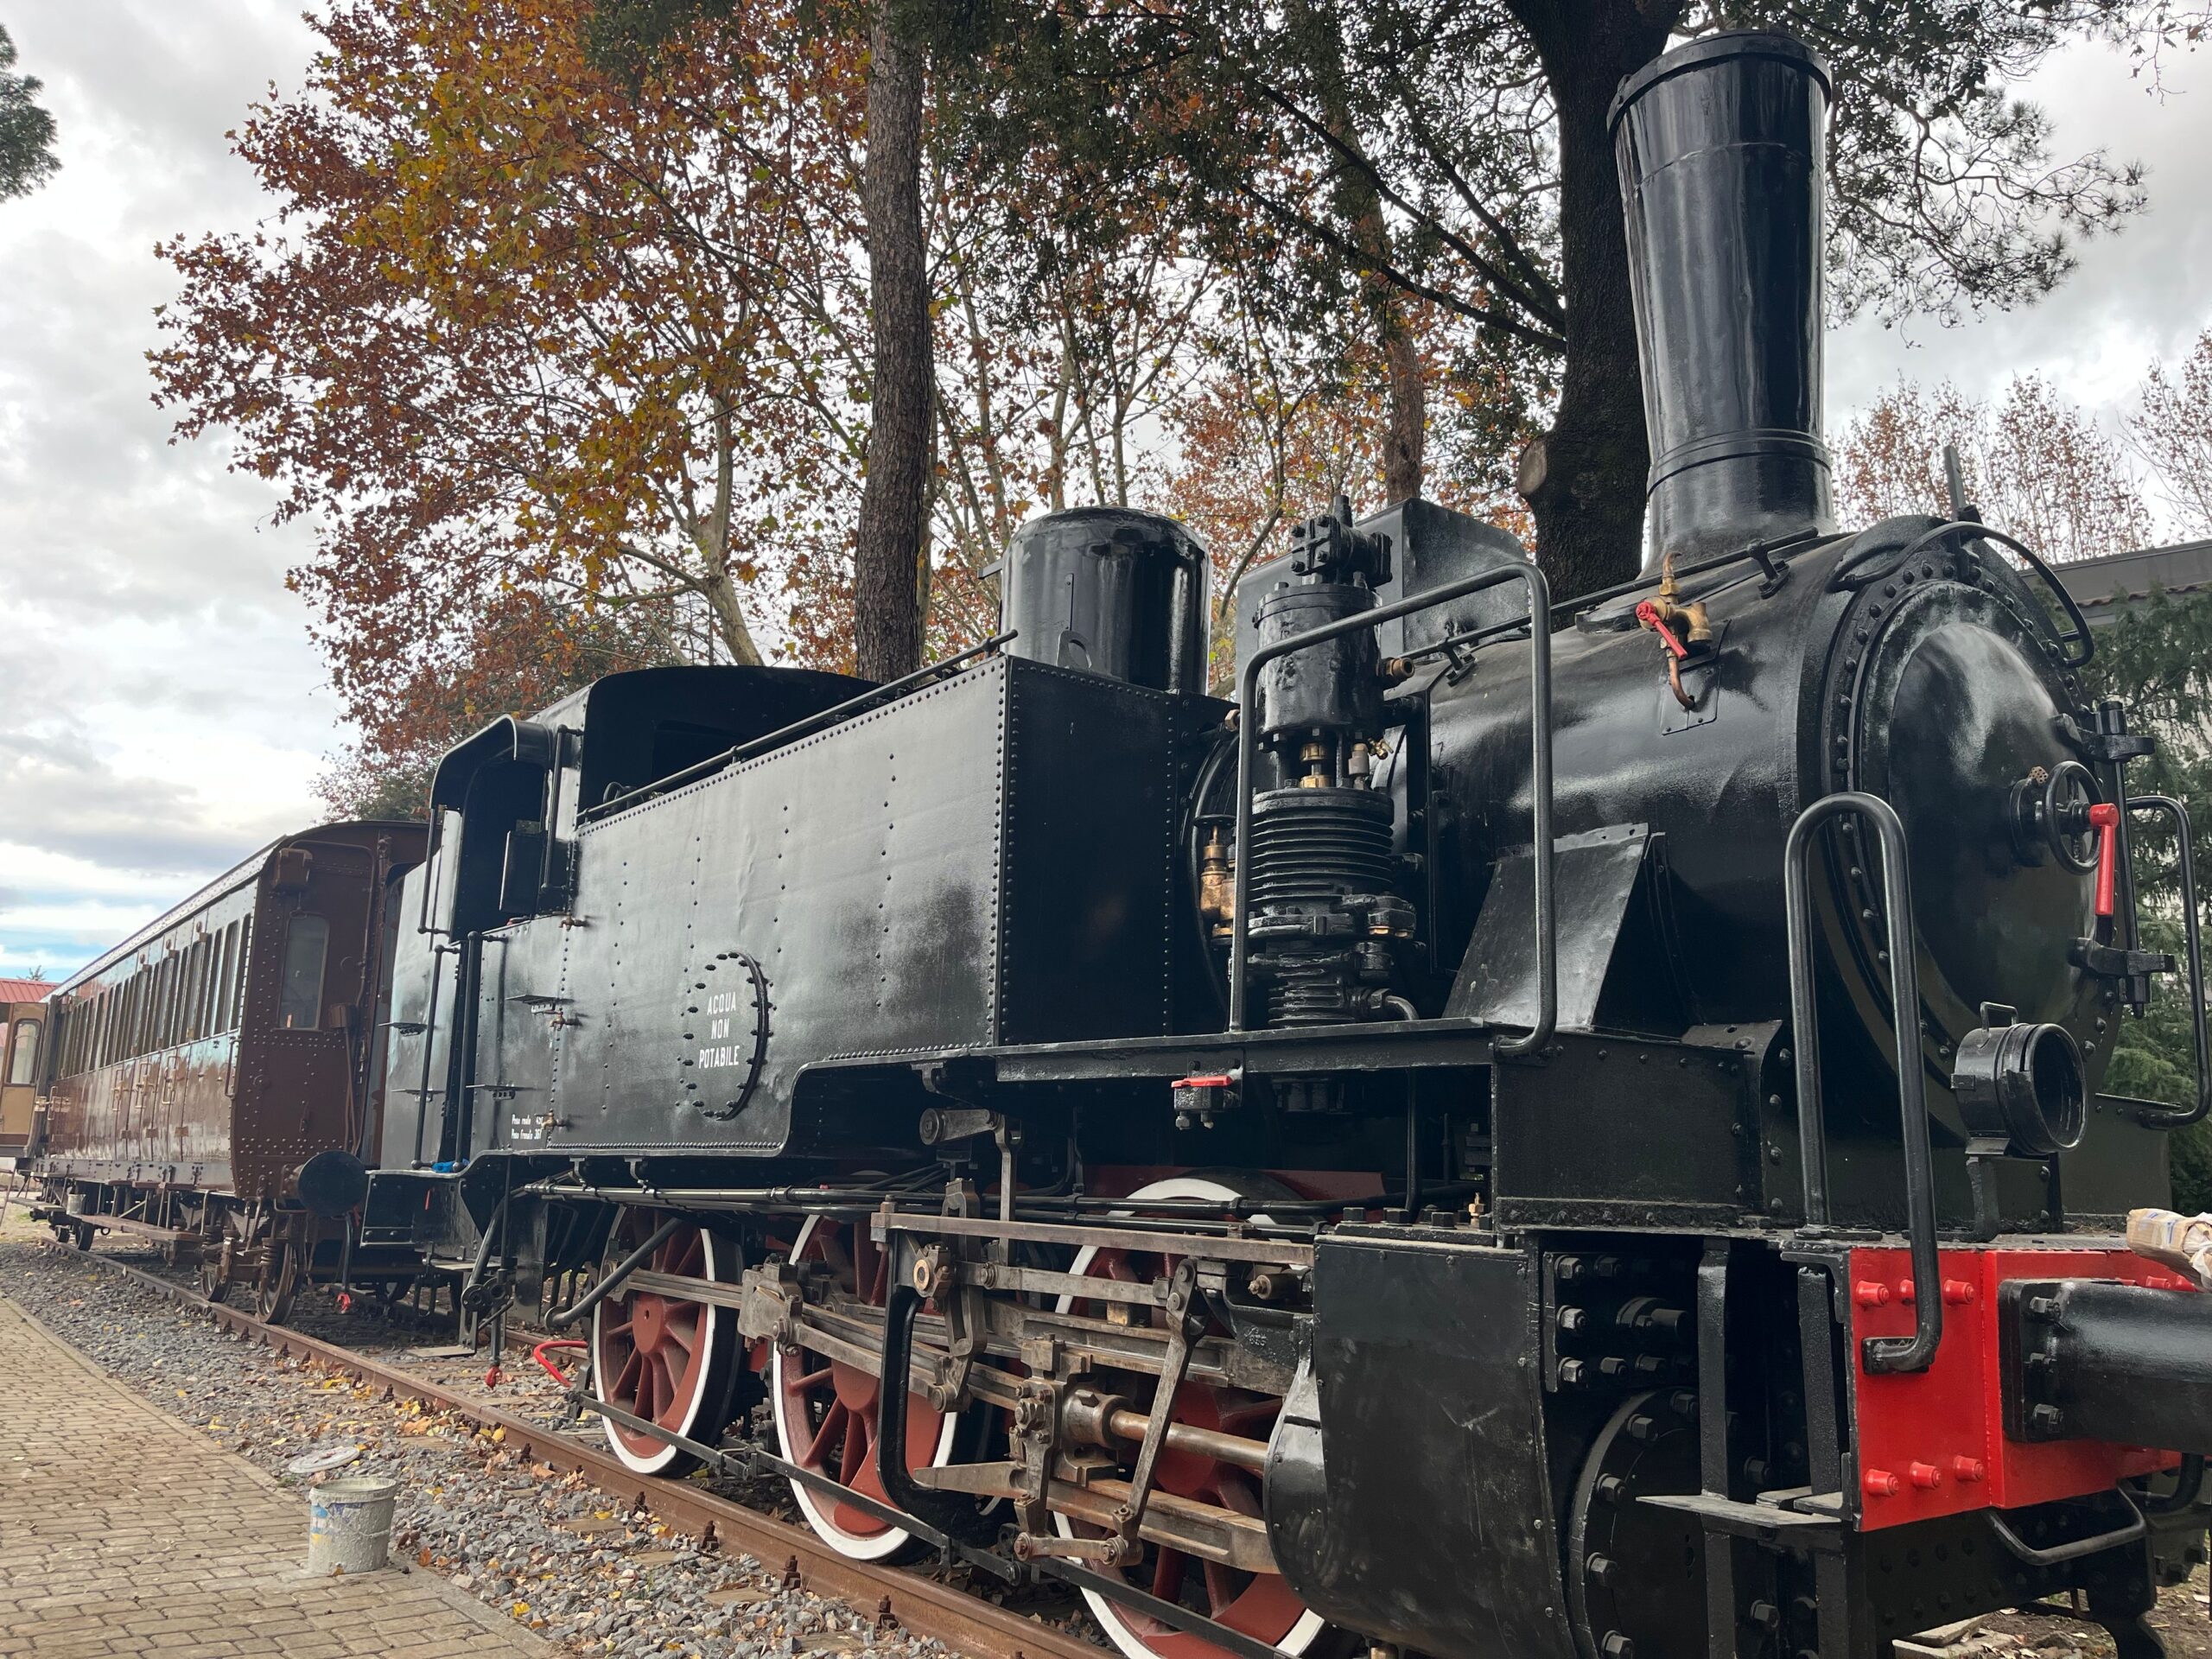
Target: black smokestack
point(1721, 146)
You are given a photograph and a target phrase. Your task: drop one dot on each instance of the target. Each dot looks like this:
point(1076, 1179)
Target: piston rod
point(1201, 1442)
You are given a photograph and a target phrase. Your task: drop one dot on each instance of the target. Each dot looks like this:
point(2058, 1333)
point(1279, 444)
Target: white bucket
point(349, 1526)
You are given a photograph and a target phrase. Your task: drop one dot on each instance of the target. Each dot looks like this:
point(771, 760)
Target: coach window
point(225, 978)
point(246, 965)
point(23, 1068)
point(203, 981)
point(305, 943)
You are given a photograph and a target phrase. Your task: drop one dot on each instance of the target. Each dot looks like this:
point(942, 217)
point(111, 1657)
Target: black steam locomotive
point(1418, 1155)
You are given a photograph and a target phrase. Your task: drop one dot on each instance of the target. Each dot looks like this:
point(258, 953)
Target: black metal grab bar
point(2182, 1117)
point(1917, 1352)
point(798, 728)
point(1540, 777)
point(2076, 633)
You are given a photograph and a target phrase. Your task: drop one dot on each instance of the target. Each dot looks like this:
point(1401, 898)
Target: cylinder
point(1721, 150)
point(1109, 591)
point(1313, 848)
point(1332, 687)
point(349, 1526)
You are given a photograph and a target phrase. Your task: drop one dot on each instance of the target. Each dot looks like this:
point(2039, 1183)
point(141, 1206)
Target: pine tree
point(27, 157)
point(2156, 659)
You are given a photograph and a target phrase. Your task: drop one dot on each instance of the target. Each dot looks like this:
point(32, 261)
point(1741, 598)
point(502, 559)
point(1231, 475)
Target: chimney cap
point(1715, 48)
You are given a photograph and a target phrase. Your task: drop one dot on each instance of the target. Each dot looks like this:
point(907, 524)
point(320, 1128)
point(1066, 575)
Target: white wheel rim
point(859, 1547)
point(1108, 1612)
point(709, 1330)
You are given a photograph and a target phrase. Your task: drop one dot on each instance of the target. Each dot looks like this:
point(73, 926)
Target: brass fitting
point(1217, 884)
point(1695, 627)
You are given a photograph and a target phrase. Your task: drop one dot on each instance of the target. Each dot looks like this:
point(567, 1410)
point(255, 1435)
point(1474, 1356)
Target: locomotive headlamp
point(2023, 1085)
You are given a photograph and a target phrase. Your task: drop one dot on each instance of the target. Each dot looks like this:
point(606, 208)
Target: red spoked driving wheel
point(827, 1411)
point(667, 1359)
point(1259, 1605)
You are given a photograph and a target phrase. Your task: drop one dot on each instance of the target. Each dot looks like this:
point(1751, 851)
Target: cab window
point(306, 941)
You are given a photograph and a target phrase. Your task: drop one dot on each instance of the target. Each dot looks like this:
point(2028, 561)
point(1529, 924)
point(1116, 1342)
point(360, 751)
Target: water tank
point(1111, 591)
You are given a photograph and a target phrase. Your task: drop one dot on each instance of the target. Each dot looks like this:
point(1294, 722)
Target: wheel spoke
point(860, 1440)
point(1224, 1585)
point(1233, 1488)
point(625, 1380)
point(827, 1437)
point(664, 1387)
point(1167, 1574)
point(1243, 1420)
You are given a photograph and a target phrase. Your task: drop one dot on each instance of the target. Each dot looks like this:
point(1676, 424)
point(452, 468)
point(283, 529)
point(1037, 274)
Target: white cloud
point(2135, 297)
point(162, 711)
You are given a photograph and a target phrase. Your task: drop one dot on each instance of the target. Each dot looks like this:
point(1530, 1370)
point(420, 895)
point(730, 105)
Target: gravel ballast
point(551, 1551)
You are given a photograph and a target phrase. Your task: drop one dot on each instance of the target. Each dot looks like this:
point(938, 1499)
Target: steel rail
point(923, 1607)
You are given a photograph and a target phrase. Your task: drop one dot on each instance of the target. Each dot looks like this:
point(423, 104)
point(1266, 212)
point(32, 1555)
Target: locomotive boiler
point(1535, 1130)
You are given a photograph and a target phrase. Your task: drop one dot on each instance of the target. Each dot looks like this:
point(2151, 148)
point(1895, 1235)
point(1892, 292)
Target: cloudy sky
point(161, 712)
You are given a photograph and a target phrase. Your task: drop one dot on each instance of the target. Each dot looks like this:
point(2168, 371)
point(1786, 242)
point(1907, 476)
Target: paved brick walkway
point(124, 1532)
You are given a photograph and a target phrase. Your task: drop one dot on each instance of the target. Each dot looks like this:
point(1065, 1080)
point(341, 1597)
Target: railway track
point(921, 1606)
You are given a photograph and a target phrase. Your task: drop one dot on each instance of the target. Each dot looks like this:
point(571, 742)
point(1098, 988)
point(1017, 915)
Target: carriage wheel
point(668, 1360)
point(277, 1282)
point(212, 1272)
point(827, 1411)
point(1261, 1605)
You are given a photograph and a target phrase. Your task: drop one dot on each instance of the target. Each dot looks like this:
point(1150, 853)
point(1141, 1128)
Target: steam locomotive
point(1548, 1131)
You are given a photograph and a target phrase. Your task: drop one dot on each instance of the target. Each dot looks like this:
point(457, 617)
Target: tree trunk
point(1405, 435)
point(720, 594)
point(888, 542)
point(1583, 479)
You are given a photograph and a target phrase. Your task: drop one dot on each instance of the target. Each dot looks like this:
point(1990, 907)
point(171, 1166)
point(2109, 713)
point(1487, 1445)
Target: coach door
point(22, 1028)
point(313, 950)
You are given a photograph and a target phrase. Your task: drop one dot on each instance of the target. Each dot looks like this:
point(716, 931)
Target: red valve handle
point(2104, 817)
point(1647, 614)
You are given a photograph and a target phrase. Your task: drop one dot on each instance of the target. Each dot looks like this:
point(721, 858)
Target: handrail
point(798, 728)
point(1540, 777)
point(2126, 1532)
point(2182, 1117)
point(1917, 1352)
point(2077, 631)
